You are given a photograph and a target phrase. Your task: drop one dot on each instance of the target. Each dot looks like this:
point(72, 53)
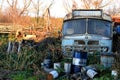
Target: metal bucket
point(91, 73)
point(79, 60)
point(67, 67)
point(48, 63)
point(53, 74)
point(107, 60)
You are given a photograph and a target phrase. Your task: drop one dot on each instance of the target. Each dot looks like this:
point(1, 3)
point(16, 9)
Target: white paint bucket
point(91, 73)
point(67, 67)
point(54, 73)
point(114, 73)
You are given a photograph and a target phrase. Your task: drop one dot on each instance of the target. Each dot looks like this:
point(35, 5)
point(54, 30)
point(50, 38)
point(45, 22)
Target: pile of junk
point(81, 66)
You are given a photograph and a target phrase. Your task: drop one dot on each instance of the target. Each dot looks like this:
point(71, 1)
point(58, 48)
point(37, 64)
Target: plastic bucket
point(107, 60)
point(79, 60)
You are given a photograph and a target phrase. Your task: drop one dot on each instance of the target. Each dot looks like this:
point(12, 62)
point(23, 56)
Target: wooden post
point(9, 47)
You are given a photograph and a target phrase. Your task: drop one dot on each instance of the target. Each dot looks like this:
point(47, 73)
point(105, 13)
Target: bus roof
point(88, 13)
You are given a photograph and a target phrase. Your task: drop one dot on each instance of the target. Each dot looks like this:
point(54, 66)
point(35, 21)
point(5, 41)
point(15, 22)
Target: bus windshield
point(94, 26)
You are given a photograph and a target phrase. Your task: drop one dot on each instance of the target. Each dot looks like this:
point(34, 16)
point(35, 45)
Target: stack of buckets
point(79, 60)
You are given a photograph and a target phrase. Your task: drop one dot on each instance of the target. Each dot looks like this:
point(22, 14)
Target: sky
point(57, 9)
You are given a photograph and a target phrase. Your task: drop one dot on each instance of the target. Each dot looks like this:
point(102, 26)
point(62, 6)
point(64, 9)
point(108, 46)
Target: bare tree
point(74, 5)
point(1, 4)
point(15, 12)
point(47, 16)
point(114, 9)
point(37, 6)
point(95, 4)
point(69, 5)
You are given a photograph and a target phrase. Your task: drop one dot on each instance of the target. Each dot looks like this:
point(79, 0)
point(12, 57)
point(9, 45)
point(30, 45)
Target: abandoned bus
point(89, 30)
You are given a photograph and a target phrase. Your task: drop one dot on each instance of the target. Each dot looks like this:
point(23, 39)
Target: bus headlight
point(104, 49)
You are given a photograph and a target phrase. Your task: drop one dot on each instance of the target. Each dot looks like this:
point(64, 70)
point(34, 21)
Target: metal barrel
point(79, 60)
point(107, 60)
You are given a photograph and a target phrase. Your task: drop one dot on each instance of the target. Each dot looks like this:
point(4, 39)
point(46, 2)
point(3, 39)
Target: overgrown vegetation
point(29, 59)
point(27, 64)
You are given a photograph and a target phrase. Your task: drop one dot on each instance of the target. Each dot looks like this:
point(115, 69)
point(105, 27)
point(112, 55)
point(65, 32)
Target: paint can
point(67, 67)
point(107, 60)
point(91, 73)
point(52, 75)
point(114, 73)
point(79, 60)
point(48, 63)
